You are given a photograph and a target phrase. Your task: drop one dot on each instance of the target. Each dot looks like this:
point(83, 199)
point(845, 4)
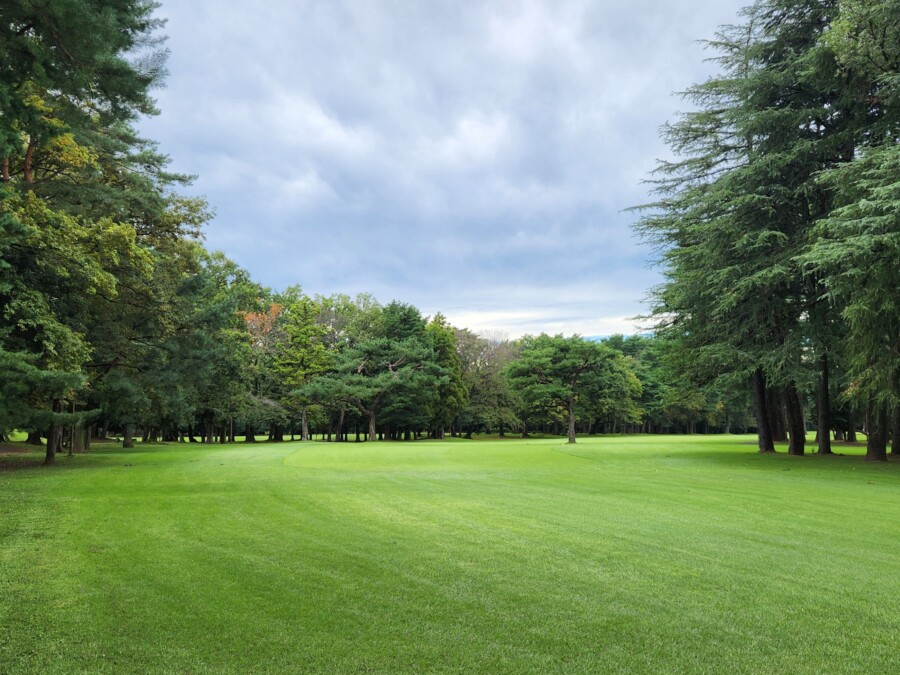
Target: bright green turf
point(617, 554)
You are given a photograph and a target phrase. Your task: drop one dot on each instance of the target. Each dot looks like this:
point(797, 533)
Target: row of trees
point(779, 226)
point(114, 316)
point(779, 221)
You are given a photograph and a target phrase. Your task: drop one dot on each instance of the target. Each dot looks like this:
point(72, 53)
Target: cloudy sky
point(472, 158)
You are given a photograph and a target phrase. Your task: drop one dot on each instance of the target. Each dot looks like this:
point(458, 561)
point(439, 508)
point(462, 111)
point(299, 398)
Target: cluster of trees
point(779, 226)
point(95, 243)
point(779, 221)
point(115, 317)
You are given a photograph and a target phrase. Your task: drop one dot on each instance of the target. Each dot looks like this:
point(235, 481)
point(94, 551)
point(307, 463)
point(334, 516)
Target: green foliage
point(768, 219)
point(491, 404)
point(396, 380)
point(856, 256)
point(452, 396)
point(25, 389)
point(556, 374)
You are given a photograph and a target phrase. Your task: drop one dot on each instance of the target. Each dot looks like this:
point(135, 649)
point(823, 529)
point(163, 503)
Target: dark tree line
point(779, 221)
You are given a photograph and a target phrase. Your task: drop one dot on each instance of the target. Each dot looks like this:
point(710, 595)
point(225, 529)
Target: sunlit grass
point(626, 553)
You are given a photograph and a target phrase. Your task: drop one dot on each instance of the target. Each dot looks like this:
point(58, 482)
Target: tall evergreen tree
point(741, 205)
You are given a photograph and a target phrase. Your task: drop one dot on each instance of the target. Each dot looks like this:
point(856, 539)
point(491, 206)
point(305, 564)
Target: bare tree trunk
point(371, 426)
point(304, 425)
point(128, 437)
point(54, 436)
point(895, 432)
point(571, 421)
point(29, 157)
point(796, 421)
point(824, 405)
point(761, 409)
point(79, 437)
point(876, 446)
point(776, 409)
point(851, 427)
point(34, 438)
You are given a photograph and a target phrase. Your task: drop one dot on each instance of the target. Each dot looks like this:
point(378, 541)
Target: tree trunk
point(796, 420)
point(824, 405)
point(775, 410)
point(340, 427)
point(249, 433)
point(29, 158)
point(876, 446)
point(571, 421)
point(54, 436)
point(34, 438)
point(128, 437)
point(304, 425)
point(851, 427)
point(371, 426)
point(895, 432)
point(761, 410)
point(78, 438)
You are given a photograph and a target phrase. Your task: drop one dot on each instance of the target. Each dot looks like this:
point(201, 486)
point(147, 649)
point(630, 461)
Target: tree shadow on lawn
point(811, 462)
point(22, 457)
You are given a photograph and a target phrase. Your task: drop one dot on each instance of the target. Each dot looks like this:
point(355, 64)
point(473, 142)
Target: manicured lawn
point(652, 554)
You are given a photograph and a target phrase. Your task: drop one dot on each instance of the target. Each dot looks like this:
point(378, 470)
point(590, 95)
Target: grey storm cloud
point(471, 158)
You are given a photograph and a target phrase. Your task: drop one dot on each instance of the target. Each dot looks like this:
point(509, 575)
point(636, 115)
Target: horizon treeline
point(779, 231)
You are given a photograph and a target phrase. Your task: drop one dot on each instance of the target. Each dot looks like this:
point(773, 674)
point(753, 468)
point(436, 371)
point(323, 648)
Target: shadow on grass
point(811, 462)
point(108, 453)
point(21, 456)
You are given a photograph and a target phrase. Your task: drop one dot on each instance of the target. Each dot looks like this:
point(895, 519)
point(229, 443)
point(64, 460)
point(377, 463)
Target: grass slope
point(691, 554)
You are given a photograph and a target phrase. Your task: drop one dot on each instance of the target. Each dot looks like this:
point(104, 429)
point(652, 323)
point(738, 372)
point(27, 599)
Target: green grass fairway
point(630, 554)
